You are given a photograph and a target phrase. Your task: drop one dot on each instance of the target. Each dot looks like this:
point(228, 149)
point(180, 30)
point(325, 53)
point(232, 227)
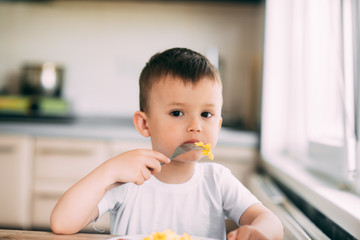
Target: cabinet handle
point(48, 196)
point(67, 152)
point(7, 149)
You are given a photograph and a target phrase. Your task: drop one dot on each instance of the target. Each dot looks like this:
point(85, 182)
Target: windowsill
point(340, 206)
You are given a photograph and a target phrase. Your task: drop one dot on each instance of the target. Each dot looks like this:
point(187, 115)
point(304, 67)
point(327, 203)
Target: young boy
point(180, 102)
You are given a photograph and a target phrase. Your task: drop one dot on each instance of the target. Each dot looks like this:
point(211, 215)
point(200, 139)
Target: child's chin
point(184, 160)
point(192, 156)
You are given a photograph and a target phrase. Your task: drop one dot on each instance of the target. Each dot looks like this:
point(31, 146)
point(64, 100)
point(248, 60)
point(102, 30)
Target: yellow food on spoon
point(168, 235)
point(206, 149)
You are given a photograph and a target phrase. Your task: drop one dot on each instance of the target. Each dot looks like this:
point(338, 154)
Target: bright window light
point(308, 88)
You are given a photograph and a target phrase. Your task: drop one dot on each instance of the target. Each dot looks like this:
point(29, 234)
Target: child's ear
point(220, 122)
point(140, 121)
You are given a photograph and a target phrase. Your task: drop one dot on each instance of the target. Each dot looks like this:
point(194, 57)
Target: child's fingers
point(146, 173)
point(161, 157)
point(143, 175)
point(153, 160)
point(136, 165)
point(232, 235)
point(246, 232)
point(153, 166)
point(159, 160)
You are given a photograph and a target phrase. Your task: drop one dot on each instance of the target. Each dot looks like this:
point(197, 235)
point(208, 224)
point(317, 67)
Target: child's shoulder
point(216, 176)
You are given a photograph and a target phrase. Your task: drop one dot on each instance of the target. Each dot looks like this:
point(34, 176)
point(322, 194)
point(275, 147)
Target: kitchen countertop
point(110, 129)
point(40, 235)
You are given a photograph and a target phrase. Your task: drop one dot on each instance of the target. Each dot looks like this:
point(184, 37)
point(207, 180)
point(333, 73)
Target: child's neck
point(176, 172)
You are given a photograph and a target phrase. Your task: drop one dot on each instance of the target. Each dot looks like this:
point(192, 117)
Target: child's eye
point(176, 113)
point(206, 114)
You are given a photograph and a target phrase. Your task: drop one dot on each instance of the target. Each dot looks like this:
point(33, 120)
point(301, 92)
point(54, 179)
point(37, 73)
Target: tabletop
point(41, 235)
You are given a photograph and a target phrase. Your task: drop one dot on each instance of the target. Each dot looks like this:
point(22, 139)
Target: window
point(311, 87)
point(310, 106)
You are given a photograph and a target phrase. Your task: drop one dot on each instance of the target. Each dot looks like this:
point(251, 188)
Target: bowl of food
point(163, 235)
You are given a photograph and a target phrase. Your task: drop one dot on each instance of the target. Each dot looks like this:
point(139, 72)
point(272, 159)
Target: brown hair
point(187, 65)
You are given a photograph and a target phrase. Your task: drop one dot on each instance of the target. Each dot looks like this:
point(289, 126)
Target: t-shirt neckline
point(169, 187)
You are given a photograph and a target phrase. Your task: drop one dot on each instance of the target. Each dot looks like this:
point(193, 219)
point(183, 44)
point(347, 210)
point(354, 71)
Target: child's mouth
point(191, 141)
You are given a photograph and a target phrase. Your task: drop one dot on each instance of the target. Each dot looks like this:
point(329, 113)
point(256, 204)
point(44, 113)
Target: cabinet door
point(67, 159)
point(15, 180)
point(118, 147)
point(60, 163)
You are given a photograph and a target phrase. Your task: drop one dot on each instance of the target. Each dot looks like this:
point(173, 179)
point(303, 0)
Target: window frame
point(315, 181)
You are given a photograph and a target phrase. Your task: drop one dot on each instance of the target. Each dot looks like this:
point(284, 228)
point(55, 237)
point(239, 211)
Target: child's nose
point(194, 125)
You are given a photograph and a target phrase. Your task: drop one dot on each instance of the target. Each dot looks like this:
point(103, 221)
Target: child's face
point(180, 113)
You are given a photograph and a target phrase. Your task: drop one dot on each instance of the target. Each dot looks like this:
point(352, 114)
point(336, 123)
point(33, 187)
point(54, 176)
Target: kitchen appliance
point(42, 80)
point(40, 95)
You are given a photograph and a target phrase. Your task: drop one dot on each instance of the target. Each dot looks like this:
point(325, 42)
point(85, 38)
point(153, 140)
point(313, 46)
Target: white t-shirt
point(198, 207)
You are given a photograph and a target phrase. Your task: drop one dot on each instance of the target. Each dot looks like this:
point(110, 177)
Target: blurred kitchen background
point(290, 69)
point(98, 48)
point(69, 87)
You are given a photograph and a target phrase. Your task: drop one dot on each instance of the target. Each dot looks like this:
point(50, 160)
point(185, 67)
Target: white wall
point(104, 45)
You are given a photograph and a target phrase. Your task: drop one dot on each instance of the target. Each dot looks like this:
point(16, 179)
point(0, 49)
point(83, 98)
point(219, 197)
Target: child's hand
point(246, 232)
point(135, 166)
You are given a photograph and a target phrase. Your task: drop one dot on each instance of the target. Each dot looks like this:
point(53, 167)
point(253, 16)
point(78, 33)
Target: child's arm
point(78, 206)
point(258, 222)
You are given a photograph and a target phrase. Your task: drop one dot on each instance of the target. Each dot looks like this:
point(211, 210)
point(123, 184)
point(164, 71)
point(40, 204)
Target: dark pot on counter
point(42, 80)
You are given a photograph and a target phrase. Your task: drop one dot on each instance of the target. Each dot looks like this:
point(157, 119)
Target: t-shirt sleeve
point(236, 197)
point(111, 199)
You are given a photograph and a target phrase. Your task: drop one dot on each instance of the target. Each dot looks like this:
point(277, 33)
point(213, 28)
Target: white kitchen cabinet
point(117, 147)
point(58, 164)
point(16, 154)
